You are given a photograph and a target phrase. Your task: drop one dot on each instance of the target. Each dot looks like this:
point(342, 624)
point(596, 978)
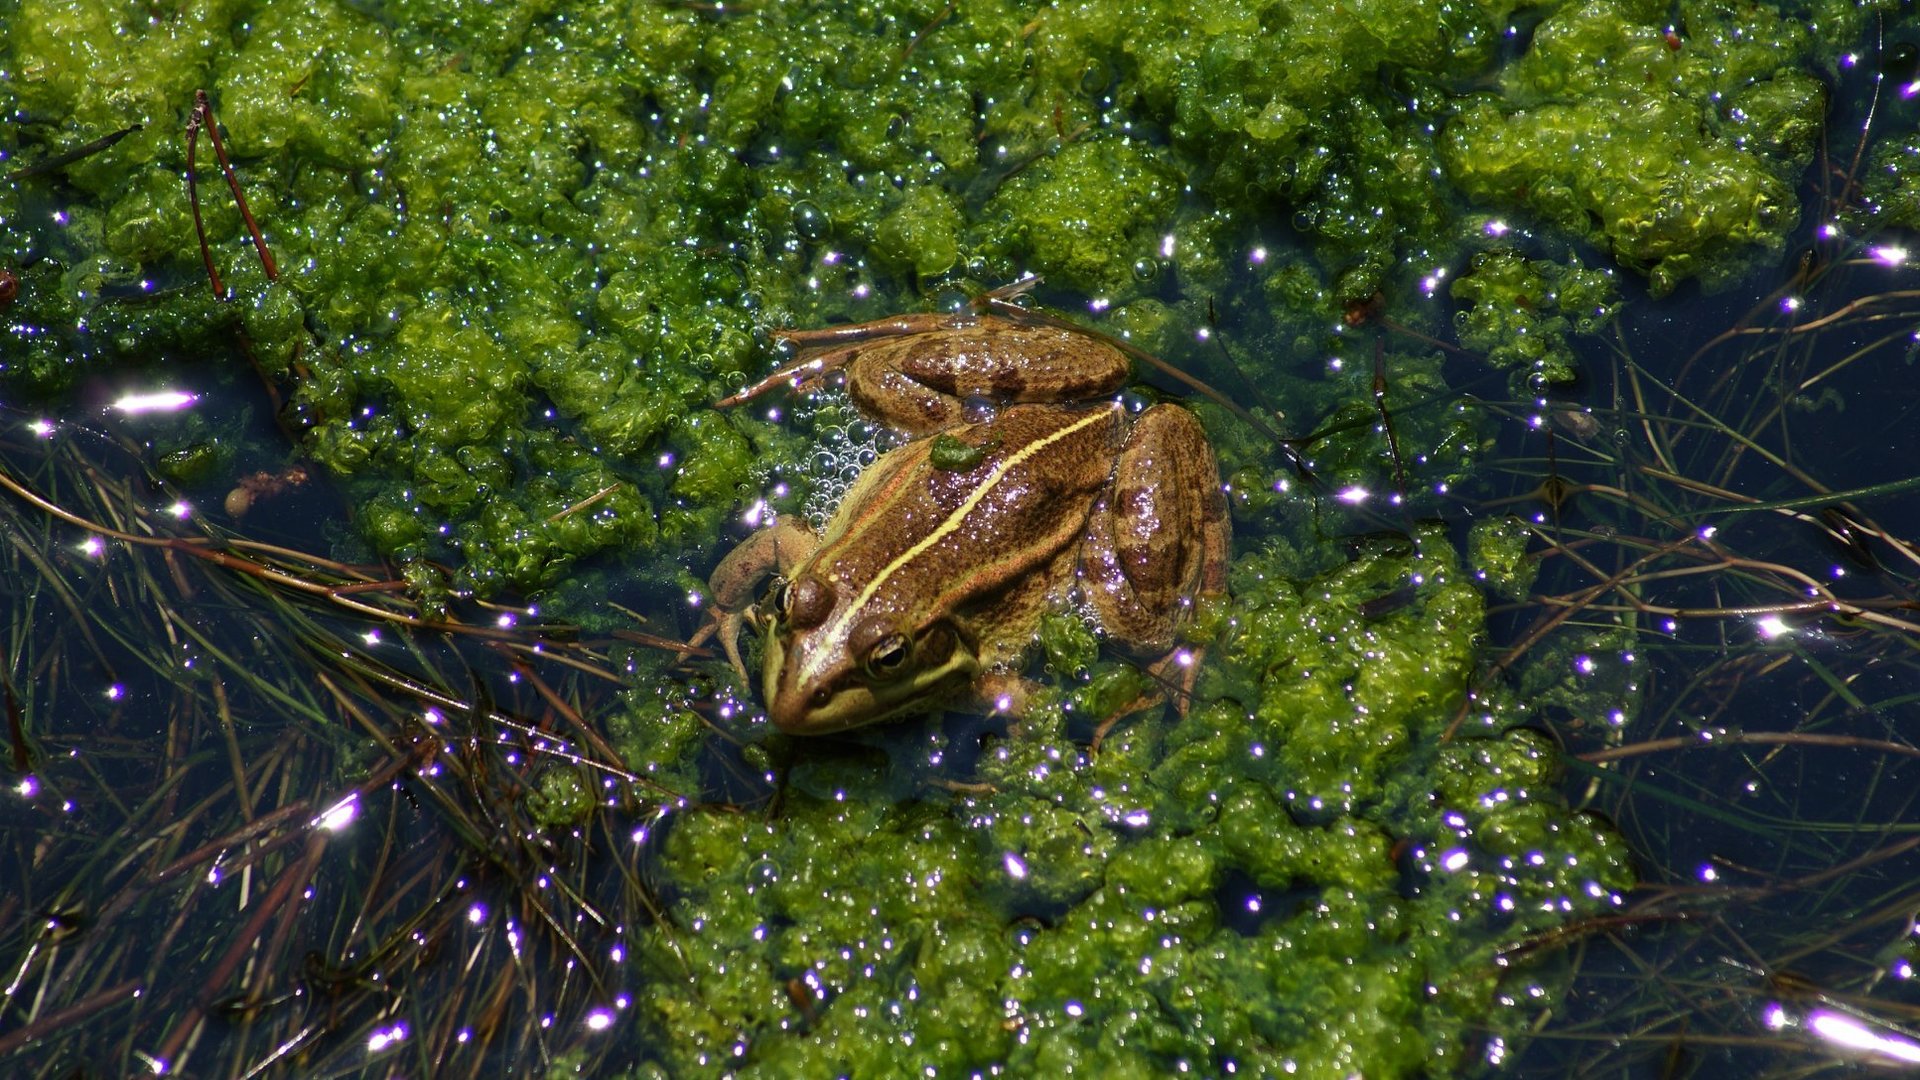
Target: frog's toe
point(1176, 672)
point(728, 626)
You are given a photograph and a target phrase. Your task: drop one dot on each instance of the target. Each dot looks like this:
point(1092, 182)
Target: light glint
point(340, 814)
point(154, 401)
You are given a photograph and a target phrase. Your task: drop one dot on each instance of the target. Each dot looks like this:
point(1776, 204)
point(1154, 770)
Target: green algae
point(1891, 195)
point(1298, 877)
point(1497, 551)
point(1677, 152)
point(609, 224)
point(562, 798)
point(1523, 314)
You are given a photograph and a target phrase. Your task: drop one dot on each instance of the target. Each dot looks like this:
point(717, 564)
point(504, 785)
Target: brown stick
point(201, 103)
point(202, 116)
point(79, 1010)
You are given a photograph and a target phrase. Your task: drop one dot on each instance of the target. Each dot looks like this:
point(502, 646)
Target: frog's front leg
point(1157, 541)
point(778, 548)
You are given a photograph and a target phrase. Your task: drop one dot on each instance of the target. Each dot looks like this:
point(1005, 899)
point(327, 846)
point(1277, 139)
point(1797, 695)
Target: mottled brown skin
point(928, 583)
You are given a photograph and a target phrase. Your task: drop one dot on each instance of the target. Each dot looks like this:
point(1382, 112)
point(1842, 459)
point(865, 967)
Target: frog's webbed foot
point(1173, 679)
point(1173, 676)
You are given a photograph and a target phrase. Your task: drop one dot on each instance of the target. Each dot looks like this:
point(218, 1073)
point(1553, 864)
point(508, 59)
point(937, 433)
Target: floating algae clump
point(1298, 878)
point(1522, 314)
point(1678, 153)
point(512, 232)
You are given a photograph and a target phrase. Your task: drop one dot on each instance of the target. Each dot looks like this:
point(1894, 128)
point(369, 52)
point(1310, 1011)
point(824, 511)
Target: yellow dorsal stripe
point(837, 630)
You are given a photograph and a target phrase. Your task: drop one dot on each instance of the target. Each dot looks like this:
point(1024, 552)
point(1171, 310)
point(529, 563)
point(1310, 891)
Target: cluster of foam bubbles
point(845, 443)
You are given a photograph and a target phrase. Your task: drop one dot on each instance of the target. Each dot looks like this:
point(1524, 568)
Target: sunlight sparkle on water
point(1773, 626)
point(42, 428)
point(1353, 496)
point(386, 1038)
point(154, 401)
point(1853, 1034)
point(1889, 255)
point(340, 814)
point(1016, 867)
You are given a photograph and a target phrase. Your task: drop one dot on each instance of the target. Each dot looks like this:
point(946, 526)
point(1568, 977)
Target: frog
point(1026, 485)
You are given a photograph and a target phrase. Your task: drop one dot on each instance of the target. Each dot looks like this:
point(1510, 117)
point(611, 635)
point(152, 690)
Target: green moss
point(1589, 676)
point(1085, 215)
point(922, 234)
point(1891, 186)
point(657, 731)
point(1069, 644)
point(193, 464)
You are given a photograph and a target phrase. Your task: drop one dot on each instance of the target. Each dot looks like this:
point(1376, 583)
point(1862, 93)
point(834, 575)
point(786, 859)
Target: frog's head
point(836, 662)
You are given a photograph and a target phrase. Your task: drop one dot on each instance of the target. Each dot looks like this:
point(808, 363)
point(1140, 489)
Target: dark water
point(1765, 771)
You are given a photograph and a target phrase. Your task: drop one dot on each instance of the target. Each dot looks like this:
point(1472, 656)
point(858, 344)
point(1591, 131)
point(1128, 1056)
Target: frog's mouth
point(850, 697)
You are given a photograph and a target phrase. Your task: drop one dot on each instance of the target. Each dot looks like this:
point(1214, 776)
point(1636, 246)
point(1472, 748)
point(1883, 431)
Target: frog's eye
point(888, 657)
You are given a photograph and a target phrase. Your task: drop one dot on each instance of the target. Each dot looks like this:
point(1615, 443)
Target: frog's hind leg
point(824, 350)
point(821, 337)
point(1158, 542)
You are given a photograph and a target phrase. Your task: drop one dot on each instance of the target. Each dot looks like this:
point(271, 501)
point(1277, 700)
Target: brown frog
point(928, 583)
